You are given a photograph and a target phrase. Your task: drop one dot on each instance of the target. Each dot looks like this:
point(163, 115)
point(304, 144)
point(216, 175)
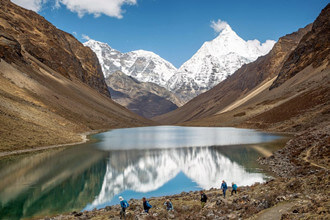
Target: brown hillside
point(313, 49)
point(55, 48)
point(301, 99)
point(244, 80)
point(51, 86)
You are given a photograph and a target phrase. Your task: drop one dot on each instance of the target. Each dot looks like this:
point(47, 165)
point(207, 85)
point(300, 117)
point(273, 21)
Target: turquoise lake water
point(133, 163)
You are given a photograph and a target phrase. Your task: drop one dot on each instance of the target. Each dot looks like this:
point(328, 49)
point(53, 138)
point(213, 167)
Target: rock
point(78, 214)
point(185, 208)
point(210, 214)
point(232, 216)
point(108, 208)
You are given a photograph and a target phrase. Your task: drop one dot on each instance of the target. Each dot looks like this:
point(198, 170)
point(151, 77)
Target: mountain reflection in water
point(144, 171)
point(151, 161)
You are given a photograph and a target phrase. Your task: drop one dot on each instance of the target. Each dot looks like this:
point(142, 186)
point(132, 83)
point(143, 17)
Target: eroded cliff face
point(313, 49)
point(24, 33)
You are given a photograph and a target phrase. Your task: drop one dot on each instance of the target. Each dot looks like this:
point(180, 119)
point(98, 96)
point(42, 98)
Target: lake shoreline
point(299, 188)
point(85, 139)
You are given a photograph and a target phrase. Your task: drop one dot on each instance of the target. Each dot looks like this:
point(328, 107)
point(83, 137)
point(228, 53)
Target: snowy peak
point(214, 62)
point(143, 65)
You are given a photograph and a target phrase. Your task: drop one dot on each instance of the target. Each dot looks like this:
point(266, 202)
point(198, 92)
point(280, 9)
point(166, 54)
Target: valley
point(82, 124)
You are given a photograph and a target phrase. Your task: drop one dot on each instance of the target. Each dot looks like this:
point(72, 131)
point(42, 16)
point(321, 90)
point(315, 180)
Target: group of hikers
point(146, 206)
point(224, 188)
point(168, 204)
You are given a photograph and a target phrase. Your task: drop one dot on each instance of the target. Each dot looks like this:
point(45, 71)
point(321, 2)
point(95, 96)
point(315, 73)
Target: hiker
point(224, 188)
point(146, 205)
point(124, 204)
point(203, 199)
point(168, 205)
point(234, 186)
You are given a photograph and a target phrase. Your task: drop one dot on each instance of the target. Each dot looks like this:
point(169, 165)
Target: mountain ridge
point(237, 85)
point(212, 63)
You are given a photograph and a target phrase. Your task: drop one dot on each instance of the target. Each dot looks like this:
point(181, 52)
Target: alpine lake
point(133, 163)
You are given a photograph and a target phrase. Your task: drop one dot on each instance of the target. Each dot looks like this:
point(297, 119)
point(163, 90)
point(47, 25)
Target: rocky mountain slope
point(52, 47)
point(144, 98)
point(140, 87)
point(214, 62)
point(313, 50)
point(248, 99)
point(145, 66)
point(51, 86)
point(240, 84)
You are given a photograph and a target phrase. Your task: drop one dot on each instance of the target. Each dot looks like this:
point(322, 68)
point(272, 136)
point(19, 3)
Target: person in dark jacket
point(124, 204)
point(234, 186)
point(168, 204)
point(146, 205)
point(203, 199)
point(224, 188)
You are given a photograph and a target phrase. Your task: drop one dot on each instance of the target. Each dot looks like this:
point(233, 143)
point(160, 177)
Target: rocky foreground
point(300, 191)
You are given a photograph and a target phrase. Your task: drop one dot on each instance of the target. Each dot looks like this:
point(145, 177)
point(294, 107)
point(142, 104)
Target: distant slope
point(51, 86)
point(298, 66)
point(137, 79)
point(244, 80)
point(144, 98)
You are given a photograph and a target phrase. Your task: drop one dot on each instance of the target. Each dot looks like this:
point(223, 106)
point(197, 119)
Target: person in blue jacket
point(146, 205)
point(168, 204)
point(224, 188)
point(124, 204)
point(234, 186)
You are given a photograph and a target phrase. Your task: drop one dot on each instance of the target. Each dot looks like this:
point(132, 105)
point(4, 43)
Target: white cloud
point(34, 5)
point(263, 47)
point(218, 25)
point(85, 37)
point(74, 33)
point(112, 8)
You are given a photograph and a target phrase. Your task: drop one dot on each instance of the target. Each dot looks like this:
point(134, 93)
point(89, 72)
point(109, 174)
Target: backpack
point(125, 204)
point(148, 205)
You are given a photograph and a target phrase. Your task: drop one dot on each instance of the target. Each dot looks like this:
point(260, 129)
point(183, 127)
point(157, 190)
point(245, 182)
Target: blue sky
point(174, 29)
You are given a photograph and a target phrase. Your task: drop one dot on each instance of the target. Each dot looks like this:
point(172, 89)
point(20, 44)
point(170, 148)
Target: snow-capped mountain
point(214, 62)
point(145, 66)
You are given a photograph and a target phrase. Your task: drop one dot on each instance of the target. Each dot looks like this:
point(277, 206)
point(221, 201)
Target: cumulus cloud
point(218, 25)
point(263, 47)
point(85, 37)
point(34, 5)
point(112, 8)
